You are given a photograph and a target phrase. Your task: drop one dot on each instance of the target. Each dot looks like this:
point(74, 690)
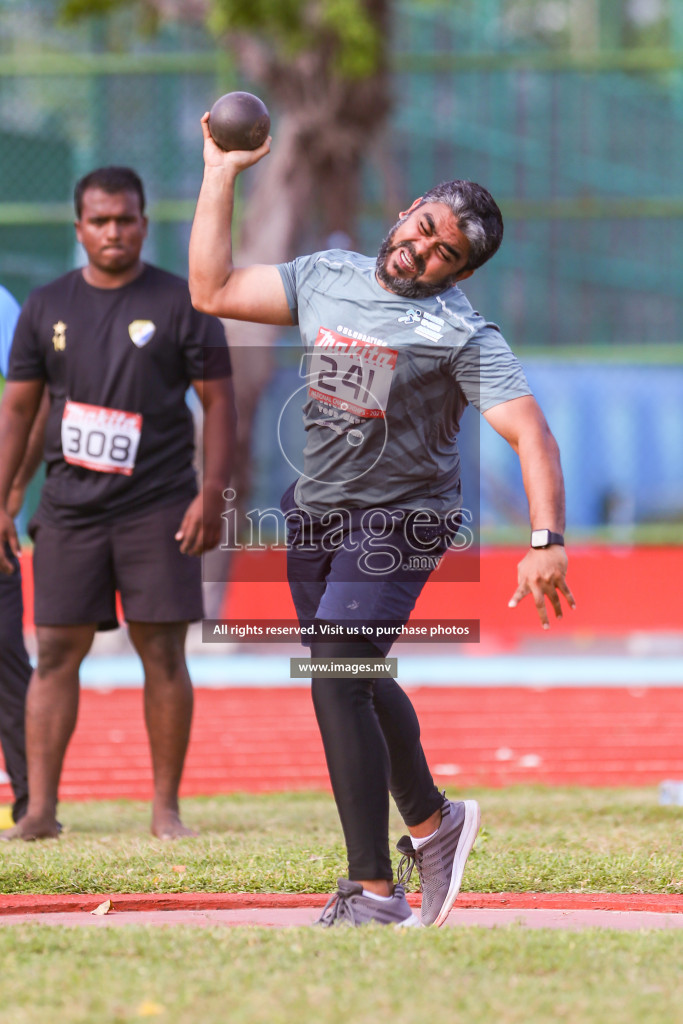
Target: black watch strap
point(544, 538)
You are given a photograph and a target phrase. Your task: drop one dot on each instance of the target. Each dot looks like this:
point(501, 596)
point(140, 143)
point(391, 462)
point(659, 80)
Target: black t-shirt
point(135, 350)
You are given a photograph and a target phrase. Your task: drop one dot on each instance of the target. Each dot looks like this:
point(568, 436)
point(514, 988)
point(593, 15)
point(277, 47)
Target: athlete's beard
point(408, 287)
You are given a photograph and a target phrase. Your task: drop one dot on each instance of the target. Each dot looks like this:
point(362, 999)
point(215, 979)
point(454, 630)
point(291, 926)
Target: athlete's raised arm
point(216, 285)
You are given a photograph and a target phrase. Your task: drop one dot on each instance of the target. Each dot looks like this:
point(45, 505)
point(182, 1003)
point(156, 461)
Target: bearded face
point(401, 267)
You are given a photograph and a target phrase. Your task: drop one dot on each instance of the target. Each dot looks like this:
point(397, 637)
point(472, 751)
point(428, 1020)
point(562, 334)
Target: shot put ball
point(239, 120)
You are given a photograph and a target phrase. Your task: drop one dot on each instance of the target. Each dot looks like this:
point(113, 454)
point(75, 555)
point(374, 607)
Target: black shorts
point(77, 571)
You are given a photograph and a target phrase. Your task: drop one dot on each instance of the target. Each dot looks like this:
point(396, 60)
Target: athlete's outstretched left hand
point(541, 573)
point(200, 529)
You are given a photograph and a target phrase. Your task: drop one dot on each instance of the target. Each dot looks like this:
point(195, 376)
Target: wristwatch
point(544, 538)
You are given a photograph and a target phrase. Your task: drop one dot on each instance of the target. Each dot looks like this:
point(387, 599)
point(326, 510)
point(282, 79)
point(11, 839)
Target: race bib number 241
point(351, 375)
point(105, 440)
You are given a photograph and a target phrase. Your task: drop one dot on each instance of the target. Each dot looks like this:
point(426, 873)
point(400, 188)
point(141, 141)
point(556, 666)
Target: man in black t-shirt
point(117, 344)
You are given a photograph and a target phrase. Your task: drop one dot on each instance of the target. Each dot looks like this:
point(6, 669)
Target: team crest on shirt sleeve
point(141, 331)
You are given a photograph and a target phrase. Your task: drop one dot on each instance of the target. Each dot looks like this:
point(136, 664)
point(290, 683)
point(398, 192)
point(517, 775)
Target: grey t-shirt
point(388, 381)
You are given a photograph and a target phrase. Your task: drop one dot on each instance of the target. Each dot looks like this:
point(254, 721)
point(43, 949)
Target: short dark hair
point(110, 180)
point(477, 214)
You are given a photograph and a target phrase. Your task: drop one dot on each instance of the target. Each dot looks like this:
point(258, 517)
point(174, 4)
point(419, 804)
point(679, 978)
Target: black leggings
point(371, 738)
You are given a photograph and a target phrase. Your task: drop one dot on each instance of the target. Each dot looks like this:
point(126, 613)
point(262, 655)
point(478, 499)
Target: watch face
point(540, 538)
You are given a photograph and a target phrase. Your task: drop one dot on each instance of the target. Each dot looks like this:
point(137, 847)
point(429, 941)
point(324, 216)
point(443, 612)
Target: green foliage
point(73, 10)
point(347, 32)
point(344, 29)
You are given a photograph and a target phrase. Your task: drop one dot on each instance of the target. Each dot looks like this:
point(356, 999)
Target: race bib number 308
point(351, 375)
point(105, 440)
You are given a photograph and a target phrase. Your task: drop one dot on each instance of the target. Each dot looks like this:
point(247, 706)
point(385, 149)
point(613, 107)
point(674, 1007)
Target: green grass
point(186, 975)
point(533, 839)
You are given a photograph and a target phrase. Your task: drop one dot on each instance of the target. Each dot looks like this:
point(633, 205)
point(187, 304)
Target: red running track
point(261, 739)
point(144, 903)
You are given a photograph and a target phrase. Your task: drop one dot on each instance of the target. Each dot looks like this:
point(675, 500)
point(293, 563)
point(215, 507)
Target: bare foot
point(169, 826)
point(29, 829)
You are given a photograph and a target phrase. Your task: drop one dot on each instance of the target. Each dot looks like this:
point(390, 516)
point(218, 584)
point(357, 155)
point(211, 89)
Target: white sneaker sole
point(410, 922)
point(470, 830)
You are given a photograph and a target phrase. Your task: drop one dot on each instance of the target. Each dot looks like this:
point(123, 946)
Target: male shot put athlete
point(396, 353)
point(117, 344)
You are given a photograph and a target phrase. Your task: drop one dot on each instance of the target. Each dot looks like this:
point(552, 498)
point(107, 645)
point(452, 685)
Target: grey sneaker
point(441, 861)
point(349, 906)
